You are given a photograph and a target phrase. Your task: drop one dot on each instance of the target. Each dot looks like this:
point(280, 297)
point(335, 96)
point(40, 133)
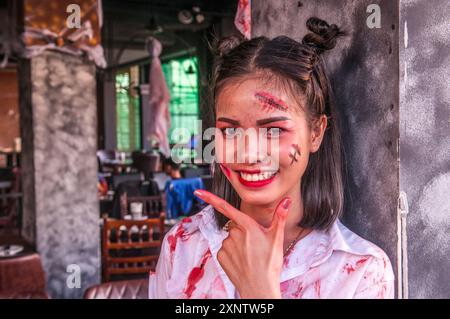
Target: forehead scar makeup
point(270, 102)
point(294, 153)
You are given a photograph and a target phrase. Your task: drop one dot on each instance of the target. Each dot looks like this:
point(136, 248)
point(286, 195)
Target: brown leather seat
point(125, 289)
point(22, 277)
point(24, 295)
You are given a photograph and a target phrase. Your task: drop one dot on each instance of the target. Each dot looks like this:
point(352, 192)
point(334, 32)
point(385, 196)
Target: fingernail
point(198, 192)
point(286, 203)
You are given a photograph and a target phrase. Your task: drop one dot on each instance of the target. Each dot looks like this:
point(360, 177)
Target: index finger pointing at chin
point(223, 207)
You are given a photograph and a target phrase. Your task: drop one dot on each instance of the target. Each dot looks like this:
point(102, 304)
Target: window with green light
point(182, 81)
point(128, 111)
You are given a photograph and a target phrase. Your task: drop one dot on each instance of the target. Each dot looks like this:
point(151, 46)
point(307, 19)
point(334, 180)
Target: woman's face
point(250, 115)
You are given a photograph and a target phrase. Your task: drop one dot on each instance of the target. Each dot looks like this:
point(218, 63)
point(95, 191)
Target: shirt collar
point(311, 251)
point(318, 246)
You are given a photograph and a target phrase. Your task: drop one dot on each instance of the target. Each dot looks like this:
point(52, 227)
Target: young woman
point(272, 231)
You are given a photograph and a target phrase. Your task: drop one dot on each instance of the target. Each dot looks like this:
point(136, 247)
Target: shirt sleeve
point(158, 279)
point(378, 281)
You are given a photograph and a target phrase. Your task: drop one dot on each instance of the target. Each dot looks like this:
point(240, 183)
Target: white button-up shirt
point(324, 264)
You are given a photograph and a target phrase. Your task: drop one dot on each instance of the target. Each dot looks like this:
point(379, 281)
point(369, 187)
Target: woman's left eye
point(274, 132)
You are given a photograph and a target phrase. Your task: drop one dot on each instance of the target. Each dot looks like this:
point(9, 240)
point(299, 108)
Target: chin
point(258, 201)
point(258, 197)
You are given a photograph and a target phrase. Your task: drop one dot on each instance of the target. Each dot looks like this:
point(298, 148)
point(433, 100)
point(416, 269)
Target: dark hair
point(299, 67)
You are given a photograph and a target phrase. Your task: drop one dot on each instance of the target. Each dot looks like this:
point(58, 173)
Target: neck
point(263, 214)
point(175, 175)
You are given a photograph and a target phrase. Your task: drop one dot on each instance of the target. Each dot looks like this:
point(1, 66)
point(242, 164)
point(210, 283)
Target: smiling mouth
point(256, 178)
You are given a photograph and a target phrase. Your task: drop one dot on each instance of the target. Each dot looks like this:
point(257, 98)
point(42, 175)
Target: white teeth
point(257, 177)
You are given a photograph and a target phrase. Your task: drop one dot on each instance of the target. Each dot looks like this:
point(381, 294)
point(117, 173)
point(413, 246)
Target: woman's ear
point(318, 128)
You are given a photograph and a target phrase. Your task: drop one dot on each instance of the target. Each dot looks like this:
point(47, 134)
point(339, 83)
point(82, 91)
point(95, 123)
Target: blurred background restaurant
point(94, 95)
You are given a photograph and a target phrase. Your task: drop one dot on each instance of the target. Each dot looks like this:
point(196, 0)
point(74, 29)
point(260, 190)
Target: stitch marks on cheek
point(294, 153)
point(270, 102)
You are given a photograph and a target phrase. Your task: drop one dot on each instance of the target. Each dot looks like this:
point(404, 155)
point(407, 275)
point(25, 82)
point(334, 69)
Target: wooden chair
point(146, 163)
point(153, 206)
point(122, 237)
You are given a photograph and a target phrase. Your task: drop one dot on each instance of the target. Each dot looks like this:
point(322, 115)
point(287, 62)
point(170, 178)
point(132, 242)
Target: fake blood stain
point(179, 233)
point(349, 268)
point(196, 274)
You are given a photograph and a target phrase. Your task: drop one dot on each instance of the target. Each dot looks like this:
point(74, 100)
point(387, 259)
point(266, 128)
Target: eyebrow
point(225, 119)
point(258, 122)
point(272, 119)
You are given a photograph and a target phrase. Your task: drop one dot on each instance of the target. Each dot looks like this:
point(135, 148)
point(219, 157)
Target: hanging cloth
point(242, 20)
point(159, 99)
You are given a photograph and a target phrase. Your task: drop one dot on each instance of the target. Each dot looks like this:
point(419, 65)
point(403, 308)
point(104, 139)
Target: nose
point(250, 150)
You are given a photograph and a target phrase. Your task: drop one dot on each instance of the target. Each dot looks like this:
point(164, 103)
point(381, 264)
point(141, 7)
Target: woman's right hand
point(251, 255)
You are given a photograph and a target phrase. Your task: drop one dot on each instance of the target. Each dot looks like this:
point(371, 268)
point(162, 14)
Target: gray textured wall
point(61, 207)
point(425, 143)
point(364, 70)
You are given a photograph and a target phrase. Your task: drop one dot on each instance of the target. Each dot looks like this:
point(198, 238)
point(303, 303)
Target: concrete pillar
point(61, 209)
point(425, 145)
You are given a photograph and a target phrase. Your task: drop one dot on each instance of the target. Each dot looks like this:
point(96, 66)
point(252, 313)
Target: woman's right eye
point(230, 132)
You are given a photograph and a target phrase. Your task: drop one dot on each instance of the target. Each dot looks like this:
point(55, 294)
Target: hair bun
point(225, 45)
point(323, 36)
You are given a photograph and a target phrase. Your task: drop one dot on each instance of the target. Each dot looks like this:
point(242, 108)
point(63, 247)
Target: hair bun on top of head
point(223, 46)
point(323, 36)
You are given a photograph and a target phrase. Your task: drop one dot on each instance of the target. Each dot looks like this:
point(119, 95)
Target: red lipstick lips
point(260, 183)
